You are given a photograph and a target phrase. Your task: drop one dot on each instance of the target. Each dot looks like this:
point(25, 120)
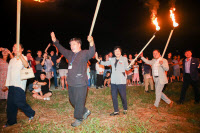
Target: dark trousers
point(37, 74)
point(187, 80)
point(122, 91)
point(77, 97)
point(99, 80)
point(17, 99)
point(55, 76)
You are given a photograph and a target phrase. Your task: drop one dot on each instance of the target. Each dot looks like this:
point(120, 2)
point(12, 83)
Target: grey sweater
point(118, 75)
point(77, 76)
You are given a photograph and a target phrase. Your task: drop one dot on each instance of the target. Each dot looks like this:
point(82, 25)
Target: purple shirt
point(187, 65)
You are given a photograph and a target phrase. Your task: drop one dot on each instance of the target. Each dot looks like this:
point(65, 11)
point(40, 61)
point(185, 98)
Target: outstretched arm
point(91, 50)
point(61, 49)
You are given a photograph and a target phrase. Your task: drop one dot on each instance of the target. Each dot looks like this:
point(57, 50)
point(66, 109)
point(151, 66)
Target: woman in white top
point(16, 94)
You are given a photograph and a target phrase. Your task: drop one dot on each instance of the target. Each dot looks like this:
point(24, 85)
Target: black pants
point(77, 97)
point(122, 91)
point(187, 80)
point(37, 74)
point(99, 80)
point(17, 99)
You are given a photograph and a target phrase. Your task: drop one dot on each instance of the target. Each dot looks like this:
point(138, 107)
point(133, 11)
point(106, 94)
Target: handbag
point(27, 73)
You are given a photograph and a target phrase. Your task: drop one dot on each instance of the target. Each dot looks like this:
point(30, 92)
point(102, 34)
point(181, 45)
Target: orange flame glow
point(172, 16)
point(40, 1)
point(155, 22)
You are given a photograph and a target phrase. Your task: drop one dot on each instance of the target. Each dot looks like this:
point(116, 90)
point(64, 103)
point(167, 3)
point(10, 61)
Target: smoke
point(172, 3)
point(153, 6)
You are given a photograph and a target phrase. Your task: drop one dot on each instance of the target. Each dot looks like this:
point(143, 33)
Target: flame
point(172, 16)
point(155, 22)
point(40, 1)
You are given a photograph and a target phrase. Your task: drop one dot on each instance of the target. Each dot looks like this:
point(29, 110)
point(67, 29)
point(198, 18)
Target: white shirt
point(136, 67)
point(99, 69)
point(13, 75)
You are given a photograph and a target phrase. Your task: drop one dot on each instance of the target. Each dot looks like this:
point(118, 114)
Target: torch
point(18, 23)
point(95, 16)
point(175, 24)
point(155, 22)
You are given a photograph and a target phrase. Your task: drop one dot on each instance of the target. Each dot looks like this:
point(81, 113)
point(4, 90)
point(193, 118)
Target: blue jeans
point(17, 99)
point(93, 77)
point(55, 76)
point(114, 92)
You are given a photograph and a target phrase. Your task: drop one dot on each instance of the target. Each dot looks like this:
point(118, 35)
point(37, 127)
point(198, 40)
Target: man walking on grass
point(77, 76)
point(159, 66)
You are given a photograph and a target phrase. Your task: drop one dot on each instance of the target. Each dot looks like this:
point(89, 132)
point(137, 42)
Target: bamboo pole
point(18, 24)
point(132, 62)
point(170, 35)
point(95, 16)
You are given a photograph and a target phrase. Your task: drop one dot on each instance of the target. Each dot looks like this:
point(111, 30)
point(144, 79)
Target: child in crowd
point(129, 76)
point(45, 93)
point(107, 79)
point(99, 71)
point(136, 73)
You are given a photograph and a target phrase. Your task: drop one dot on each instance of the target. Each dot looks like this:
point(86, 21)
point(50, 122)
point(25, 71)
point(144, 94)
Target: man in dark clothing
point(190, 76)
point(38, 65)
point(77, 76)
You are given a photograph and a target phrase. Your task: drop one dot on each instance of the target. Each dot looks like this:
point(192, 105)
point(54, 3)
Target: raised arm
point(47, 48)
point(91, 51)
point(56, 49)
point(66, 53)
point(105, 63)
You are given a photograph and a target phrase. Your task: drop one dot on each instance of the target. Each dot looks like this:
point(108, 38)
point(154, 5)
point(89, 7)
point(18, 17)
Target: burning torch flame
point(155, 22)
point(40, 1)
point(172, 16)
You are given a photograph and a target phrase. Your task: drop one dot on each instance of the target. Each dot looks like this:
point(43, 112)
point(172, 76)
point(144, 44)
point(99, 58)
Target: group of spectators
point(100, 73)
point(55, 66)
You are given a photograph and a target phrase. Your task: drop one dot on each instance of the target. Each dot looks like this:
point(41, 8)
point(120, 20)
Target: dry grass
point(56, 115)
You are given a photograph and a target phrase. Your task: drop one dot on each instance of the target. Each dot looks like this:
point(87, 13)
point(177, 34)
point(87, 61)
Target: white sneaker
point(48, 98)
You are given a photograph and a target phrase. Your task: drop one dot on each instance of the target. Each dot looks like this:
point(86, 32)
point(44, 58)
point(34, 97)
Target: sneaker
point(86, 114)
point(114, 113)
point(76, 123)
point(125, 112)
point(30, 119)
point(48, 98)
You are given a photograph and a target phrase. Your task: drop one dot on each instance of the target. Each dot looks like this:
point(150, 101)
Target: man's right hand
point(53, 37)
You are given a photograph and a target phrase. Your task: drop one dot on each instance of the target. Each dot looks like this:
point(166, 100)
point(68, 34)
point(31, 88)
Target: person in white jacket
point(159, 66)
point(118, 78)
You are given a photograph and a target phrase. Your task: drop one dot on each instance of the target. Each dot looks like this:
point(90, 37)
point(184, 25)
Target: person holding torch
point(77, 76)
point(159, 66)
point(16, 93)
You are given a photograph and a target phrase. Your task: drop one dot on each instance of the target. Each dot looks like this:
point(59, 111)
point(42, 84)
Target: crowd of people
point(77, 70)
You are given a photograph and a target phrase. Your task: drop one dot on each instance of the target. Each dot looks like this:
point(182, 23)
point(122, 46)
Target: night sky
point(125, 23)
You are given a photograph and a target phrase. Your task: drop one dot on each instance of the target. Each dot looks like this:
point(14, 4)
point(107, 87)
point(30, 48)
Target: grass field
point(56, 115)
